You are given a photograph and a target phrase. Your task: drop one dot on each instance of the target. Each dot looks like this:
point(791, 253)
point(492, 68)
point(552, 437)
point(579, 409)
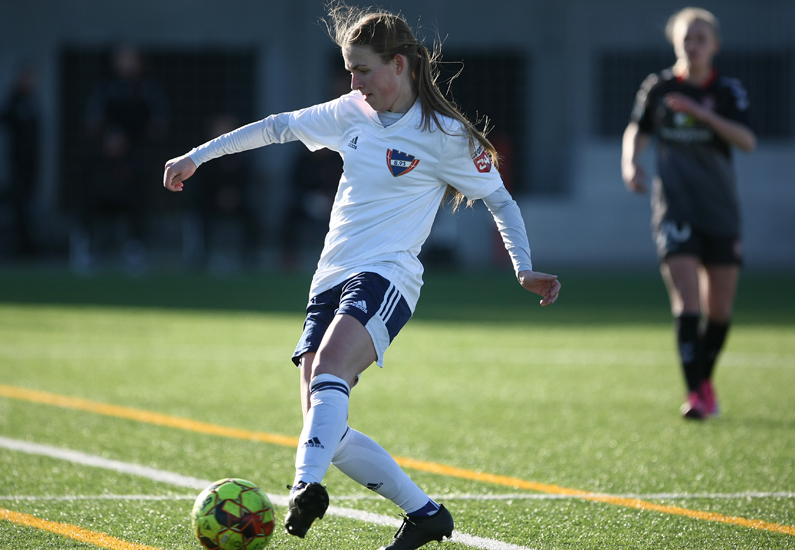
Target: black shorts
point(373, 300)
point(675, 238)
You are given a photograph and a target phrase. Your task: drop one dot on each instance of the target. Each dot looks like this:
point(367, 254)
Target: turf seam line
point(426, 466)
point(445, 496)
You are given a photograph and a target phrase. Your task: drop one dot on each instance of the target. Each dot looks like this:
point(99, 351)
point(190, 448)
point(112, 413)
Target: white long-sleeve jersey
point(393, 180)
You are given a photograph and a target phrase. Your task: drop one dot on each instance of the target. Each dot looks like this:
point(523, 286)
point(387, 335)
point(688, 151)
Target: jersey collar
point(707, 83)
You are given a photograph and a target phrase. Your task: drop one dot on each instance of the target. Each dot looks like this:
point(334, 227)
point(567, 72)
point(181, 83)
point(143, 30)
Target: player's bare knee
point(721, 315)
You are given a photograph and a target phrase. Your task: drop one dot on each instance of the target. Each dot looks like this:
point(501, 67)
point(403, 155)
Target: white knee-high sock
point(366, 462)
point(324, 426)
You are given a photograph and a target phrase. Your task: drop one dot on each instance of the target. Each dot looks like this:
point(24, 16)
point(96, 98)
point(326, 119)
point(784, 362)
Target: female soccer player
point(696, 116)
point(403, 146)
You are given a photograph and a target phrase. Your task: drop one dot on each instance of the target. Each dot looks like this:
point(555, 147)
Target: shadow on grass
point(486, 297)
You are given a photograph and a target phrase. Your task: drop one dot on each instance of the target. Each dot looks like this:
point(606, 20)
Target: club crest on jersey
point(399, 162)
point(482, 160)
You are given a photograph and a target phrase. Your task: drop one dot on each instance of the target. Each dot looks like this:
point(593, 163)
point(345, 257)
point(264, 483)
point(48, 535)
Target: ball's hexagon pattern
point(233, 514)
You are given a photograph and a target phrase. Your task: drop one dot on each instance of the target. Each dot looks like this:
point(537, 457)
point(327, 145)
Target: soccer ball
point(233, 514)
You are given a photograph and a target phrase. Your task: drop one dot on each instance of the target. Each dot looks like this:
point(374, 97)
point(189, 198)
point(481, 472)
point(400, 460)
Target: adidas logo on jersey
point(353, 144)
point(314, 442)
point(374, 486)
point(361, 304)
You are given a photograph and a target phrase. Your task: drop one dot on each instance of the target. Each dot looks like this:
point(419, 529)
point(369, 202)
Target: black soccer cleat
point(306, 504)
point(416, 532)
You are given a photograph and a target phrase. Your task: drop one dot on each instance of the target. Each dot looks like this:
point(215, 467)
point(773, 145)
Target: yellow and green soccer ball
point(233, 514)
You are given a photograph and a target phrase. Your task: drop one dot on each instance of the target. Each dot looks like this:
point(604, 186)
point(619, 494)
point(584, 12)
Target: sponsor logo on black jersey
point(682, 127)
point(400, 163)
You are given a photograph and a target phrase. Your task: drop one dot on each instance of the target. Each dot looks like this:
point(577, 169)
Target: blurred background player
point(696, 116)
point(111, 203)
point(21, 118)
point(126, 114)
point(313, 184)
point(224, 200)
point(130, 100)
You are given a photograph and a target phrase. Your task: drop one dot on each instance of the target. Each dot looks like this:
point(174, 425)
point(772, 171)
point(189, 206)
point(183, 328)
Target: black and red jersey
point(695, 180)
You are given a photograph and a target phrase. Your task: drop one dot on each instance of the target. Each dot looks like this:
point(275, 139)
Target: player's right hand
point(545, 285)
point(634, 177)
point(178, 170)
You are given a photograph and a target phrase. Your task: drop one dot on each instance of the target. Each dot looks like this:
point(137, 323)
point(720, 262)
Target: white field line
point(197, 484)
point(106, 496)
point(641, 496)
point(100, 462)
point(576, 357)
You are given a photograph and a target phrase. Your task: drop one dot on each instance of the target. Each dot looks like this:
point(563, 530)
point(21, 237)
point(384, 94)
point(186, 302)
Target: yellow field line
point(143, 416)
point(586, 495)
point(431, 467)
point(72, 531)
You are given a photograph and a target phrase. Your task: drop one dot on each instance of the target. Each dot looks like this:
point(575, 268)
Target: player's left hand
point(546, 286)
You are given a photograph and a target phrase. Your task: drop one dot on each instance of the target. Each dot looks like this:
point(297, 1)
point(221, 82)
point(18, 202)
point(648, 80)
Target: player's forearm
point(633, 144)
point(512, 229)
point(735, 133)
point(274, 129)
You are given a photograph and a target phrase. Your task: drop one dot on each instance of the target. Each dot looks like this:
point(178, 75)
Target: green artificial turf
point(582, 395)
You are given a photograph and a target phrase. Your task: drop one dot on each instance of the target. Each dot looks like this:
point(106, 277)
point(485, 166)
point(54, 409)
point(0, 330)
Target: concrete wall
point(595, 222)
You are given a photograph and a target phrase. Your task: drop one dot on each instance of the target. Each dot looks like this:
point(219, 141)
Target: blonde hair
point(687, 16)
point(388, 35)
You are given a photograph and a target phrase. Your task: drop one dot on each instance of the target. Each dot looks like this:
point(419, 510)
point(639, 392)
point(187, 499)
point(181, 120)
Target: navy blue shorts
point(674, 238)
point(373, 300)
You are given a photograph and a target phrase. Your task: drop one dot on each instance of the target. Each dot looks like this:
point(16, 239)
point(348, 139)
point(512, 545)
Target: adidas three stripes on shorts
point(370, 298)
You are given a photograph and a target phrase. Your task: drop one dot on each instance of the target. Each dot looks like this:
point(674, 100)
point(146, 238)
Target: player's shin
point(324, 426)
point(366, 462)
point(689, 349)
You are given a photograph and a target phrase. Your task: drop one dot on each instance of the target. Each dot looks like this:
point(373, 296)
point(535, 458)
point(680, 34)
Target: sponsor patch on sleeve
point(482, 160)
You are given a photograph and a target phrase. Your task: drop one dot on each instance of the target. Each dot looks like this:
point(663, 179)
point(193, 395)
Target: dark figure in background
point(130, 101)
point(110, 195)
point(224, 196)
point(313, 185)
point(126, 115)
point(21, 118)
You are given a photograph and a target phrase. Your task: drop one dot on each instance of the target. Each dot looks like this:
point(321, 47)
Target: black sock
point(689, 349)
point(712, 340)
